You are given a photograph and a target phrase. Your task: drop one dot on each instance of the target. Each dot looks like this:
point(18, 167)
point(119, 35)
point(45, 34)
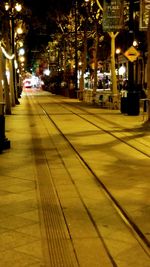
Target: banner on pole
point(113, 15)
point(144, 14)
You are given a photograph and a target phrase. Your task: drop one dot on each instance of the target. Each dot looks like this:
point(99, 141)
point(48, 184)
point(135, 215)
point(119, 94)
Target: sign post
point(112, 23)
point(133, 106)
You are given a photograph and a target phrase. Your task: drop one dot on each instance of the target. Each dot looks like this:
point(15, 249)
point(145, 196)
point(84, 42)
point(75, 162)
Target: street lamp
point(135, 43)
point(21, 51)
point(13, 8)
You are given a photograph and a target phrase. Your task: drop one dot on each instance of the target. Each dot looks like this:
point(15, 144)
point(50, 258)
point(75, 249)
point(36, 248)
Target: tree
point(91, 25)
point(148, 71)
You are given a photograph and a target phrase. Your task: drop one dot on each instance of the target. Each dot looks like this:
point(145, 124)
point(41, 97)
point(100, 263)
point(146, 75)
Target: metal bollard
point(4, 142)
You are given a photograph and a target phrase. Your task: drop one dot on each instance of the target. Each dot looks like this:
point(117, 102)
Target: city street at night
point(75, 133)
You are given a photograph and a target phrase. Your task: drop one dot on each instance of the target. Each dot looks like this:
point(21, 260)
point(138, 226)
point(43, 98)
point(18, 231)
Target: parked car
point(27, 83)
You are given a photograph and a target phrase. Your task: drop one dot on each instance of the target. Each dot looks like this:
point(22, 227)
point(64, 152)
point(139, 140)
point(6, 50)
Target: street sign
point(113, 15)
point(144, 14)
point(132, 54)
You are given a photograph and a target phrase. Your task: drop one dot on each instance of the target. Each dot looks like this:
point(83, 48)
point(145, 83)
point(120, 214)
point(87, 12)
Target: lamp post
point(118, 51)
point(12, 7)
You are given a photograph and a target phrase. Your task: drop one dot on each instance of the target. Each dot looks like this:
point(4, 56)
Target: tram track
point(137, 233)
point(106, 131)
point(143, 241)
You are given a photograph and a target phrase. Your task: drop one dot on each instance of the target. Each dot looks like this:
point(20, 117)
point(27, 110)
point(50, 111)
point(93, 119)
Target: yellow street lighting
point(22, 59)
point(80, 63)
point(21, 51)
point(18, 7)
point(118, 51)
point(7, 6)
point(19, 30)
point(135, 43)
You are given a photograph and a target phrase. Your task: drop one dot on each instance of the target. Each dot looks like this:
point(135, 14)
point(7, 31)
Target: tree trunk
point(95, 63)
point(84, 65)
point(6, 88)
point(11, 83)
point(1, 78)
point(148, 71)
point(113, 72)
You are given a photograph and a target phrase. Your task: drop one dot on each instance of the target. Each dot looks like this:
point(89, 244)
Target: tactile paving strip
point(59, 246)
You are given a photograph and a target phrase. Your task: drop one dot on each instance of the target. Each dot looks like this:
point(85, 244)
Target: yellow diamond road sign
point(132, 54)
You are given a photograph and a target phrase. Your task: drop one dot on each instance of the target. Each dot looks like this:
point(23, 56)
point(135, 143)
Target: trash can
point(123, 103)
point(133, 103)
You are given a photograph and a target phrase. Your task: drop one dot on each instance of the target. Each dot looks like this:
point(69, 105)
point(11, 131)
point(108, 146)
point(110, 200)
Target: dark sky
point(41, 7)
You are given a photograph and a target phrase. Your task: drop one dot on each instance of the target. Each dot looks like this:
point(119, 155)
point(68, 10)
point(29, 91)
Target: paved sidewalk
point(21, 228)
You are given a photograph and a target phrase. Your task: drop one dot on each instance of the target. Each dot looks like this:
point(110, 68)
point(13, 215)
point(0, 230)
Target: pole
point(133, 94)
point(130, 64)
